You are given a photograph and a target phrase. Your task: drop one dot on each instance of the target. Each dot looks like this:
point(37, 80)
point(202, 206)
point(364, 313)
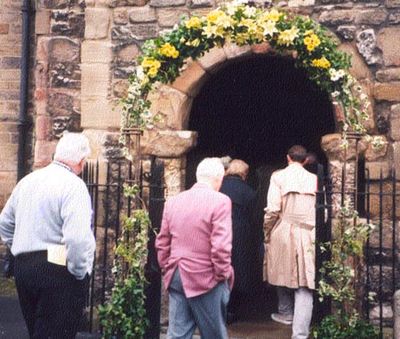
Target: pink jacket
point(196, 236)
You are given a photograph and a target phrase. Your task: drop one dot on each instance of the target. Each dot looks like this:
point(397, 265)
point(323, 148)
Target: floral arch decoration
point(311, 45)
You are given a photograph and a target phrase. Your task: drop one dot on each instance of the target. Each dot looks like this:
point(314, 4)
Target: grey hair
point(72, 148)
point(226, 161)
point(209, 168)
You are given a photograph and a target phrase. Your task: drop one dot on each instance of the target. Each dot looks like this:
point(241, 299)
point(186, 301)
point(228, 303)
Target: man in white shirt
point(50, 211)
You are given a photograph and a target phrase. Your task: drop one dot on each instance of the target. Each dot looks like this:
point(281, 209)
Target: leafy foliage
point(124, 316)
point(340, 278)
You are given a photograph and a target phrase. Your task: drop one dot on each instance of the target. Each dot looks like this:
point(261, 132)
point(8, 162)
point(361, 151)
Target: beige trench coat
point(289, 228)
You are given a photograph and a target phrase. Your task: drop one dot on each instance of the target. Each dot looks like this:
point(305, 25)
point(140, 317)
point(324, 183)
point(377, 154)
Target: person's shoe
point(286, 319)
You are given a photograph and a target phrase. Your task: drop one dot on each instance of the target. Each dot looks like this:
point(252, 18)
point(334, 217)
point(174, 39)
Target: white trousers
point(299, 303)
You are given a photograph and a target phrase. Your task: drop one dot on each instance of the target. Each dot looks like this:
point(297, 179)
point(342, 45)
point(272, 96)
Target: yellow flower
point(269, 28)
point(194, 43)
point(242, 38)
point(152, 72)
point(311, 41)
point(151, 66)
point(272, 15)
point(193, 22)
point(213, 31)
point(213, 16)
point(169, 51)
point(225, 21)
point(249, 23)
point(287, 36)
point(321, 63)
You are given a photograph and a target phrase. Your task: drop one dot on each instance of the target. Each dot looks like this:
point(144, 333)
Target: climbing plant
point(312, 46)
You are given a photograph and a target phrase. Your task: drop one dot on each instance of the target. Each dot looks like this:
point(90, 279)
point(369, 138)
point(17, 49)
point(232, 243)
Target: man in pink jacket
point(194, 252)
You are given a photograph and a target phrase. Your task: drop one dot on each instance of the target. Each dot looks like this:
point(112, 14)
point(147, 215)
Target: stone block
point(395, 122)
point(95, 79)
point(375, 168)
point(97, 51)
point(168, 144)
point(120, 88)
point(396, 313)
point(120, 3)
point(168, 17)
point(262, 48)
point(394, 18)
point(387, 75)
point(387, 91)
point(62, 104)
point(372, 154)
point(371, 17)
point(347, 32)
point(173, 106)
point(366, 45)
point(63, 50)
point(234, 51)
point(142, 14)
point(127, 54)
point(301, 3)
point(4, 28)
point(388, 41)
point(97, 23)
point(331, 144)
point(201, 3)
point(167, 3)
point(42, 22)
point(191, 79)
point(120, 16)
point(68, 23)
point(129, 34)
point(44, 151)
point(98, 112)
point(43, 127)
point(212, 59)
point(392, 3)
point(337, 17)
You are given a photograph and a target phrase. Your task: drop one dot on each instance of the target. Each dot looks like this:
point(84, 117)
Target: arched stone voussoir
point(331, 144)
point(172, 105)
point(191, 79)
point(168, 144)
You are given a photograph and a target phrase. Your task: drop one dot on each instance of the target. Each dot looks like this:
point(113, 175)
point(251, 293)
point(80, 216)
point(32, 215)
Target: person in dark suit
point(242, 196)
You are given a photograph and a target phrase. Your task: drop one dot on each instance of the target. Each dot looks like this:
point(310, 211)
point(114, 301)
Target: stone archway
point(171, 140)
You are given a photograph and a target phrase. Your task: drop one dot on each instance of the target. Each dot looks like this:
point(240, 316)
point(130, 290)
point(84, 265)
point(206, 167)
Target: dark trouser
point(51, 298)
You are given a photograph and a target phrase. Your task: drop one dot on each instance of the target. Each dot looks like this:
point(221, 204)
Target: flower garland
point(236, 22)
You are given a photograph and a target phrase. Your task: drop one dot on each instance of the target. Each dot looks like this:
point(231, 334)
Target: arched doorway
point(254, 109)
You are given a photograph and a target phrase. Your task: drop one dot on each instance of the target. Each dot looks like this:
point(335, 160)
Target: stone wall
point(10, 51)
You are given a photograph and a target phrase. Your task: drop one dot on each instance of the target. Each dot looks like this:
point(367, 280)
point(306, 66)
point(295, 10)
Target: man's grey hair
point(72, 148)
point(209, 168)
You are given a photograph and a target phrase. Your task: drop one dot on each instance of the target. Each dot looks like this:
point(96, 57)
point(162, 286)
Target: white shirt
point(51, 206)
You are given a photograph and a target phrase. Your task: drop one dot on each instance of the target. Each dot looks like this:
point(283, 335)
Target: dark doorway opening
point(254, 109)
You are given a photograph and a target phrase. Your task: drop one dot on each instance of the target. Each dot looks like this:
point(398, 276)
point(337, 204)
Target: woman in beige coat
point(289, 230)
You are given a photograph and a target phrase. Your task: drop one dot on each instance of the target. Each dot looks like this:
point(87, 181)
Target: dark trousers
point(52, 299)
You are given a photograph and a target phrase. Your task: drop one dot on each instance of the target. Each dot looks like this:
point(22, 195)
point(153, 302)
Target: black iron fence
point(105, 182)
point(377, 201)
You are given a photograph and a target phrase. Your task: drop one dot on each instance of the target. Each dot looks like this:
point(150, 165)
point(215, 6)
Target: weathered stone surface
point(173, 106)
point(95, 80)
point(167, 3)
point(66, 75)
point(42, 22)
point(358, 67)
point(97, 23)
point(201, 3)
point(396, 156)
point(96, 51)
point(262, 48)
point(126, 55)
point(371, 17)
point(212, 59)
point(396, 313)
point(387, 75)
point(120, 16)
point(120, 88)
point(233, 51)
point(331, 144)
point(62, 124)
point(127, 34)
point(337, 17)
point(394, 18)
point(168, 17)
point(366, 44)
point(63, 50)
point(62, 104)
point(174, 175)
point(387, 311)
point(168, 144)
point(387, 91)
point(119, 3)
point(68, 23)
point(42, 127)
point(347, 32)
point(395, 122)
point(388, 42)
point(53, 4)
point(191, 79)
point(142, 14)
point(392, 3)
point(301, 3)
point(376, 167)
point(98, 112)
point(44, 151)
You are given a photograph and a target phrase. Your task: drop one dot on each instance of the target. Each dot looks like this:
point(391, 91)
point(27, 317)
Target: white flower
point(139, 73)
point(269, 28)
point(250, 11)
point(335, 94)
point(336, 75)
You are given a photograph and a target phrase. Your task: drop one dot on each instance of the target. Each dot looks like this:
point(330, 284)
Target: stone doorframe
point(171, 141)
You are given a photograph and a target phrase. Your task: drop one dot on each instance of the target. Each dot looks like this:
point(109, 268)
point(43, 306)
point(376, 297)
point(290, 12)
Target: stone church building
point(245, 102)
